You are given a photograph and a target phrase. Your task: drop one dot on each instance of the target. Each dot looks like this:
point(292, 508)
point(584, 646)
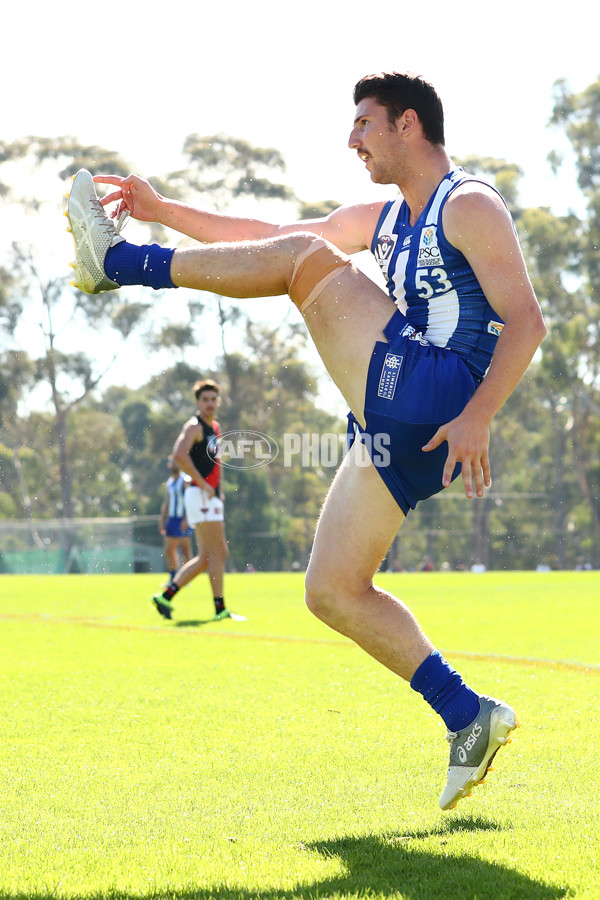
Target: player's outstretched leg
point(345, 311)
point(104, 261)
point(473, 748)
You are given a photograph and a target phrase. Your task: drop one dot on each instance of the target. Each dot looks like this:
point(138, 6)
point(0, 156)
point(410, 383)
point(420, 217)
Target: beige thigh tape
point(313, 270)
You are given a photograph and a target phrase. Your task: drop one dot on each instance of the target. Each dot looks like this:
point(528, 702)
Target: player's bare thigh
point(171, 550)
point(358, 522)
point(345, 321)
point(210, 537)
point(185, 548)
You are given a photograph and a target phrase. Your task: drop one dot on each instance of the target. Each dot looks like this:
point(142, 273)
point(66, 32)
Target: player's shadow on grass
point(388, 865)
point(192, 623)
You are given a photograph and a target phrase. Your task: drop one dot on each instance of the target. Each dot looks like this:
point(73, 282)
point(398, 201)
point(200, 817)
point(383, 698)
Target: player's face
point(376, 141)
point(208, 403)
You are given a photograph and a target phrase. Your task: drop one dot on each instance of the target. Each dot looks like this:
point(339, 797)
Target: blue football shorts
point(173, 528)
point(412, 388)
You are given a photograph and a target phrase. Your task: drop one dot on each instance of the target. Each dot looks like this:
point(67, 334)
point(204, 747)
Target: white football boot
point(473, 748)
point(94, 234)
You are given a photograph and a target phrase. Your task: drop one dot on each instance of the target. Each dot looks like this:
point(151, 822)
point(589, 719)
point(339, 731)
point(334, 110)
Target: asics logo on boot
point(469, 743)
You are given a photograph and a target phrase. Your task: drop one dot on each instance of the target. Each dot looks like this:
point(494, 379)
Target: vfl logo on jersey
point(383, 250)
point(389, 376)
point(429, 252)
point(495, 328)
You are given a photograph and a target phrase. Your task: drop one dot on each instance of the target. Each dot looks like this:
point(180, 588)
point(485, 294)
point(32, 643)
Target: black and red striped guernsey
point(204, 454)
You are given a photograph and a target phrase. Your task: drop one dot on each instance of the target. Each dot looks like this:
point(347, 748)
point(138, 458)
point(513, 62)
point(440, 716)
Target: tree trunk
point(26, 500)
point(66, 484)
point(560, 508)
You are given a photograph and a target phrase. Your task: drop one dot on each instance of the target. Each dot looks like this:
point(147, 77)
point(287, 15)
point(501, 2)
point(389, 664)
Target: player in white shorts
point(196, 451)
point(200, 507)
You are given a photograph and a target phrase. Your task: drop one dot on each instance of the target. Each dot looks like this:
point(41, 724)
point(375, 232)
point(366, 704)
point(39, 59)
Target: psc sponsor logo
point(429, 251)
point(243, 449)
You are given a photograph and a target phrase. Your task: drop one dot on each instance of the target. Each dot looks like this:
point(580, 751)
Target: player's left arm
point(478, 224)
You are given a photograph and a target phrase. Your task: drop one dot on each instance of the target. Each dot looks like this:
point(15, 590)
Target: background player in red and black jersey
point(196, 452)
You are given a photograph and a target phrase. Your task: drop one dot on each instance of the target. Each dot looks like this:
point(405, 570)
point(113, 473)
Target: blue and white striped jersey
point(431, 281)
point(175, 488)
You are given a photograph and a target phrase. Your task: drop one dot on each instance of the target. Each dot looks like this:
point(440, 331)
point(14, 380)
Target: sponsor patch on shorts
point(495, 328)
point(389, 376)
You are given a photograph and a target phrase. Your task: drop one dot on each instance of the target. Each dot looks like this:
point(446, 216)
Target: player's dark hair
point(399, 91)
point(207, 385)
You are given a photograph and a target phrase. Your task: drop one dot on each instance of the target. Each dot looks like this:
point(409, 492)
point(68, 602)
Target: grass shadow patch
point(377, 866)
point(192, 623)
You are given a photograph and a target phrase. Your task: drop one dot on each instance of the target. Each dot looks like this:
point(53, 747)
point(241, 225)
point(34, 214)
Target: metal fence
point(505, 531)
point(86, 546)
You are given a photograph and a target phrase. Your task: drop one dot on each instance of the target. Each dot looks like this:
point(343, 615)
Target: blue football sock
point(149, 265)
point(445, 691)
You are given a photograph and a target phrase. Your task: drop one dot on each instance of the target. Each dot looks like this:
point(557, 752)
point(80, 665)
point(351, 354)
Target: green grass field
point(273, 759)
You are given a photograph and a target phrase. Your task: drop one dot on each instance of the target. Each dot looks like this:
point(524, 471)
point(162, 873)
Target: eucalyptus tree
point(38, 307)
point(577, 115)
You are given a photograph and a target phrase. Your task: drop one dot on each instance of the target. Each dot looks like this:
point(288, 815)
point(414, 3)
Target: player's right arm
point(191, 433)
point(350, 228)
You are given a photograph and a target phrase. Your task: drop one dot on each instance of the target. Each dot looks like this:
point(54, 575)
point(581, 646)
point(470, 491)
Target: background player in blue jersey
point(402, 359)
point(172, 522)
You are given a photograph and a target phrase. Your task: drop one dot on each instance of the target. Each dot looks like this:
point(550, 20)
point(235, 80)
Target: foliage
point(101, 451)
point(224, 168)
point(503, 175)
point(269, 389)
point(70, 375)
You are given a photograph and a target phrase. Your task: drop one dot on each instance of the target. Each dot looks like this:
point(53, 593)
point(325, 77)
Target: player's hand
point(134, 194)
point(468, 444)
